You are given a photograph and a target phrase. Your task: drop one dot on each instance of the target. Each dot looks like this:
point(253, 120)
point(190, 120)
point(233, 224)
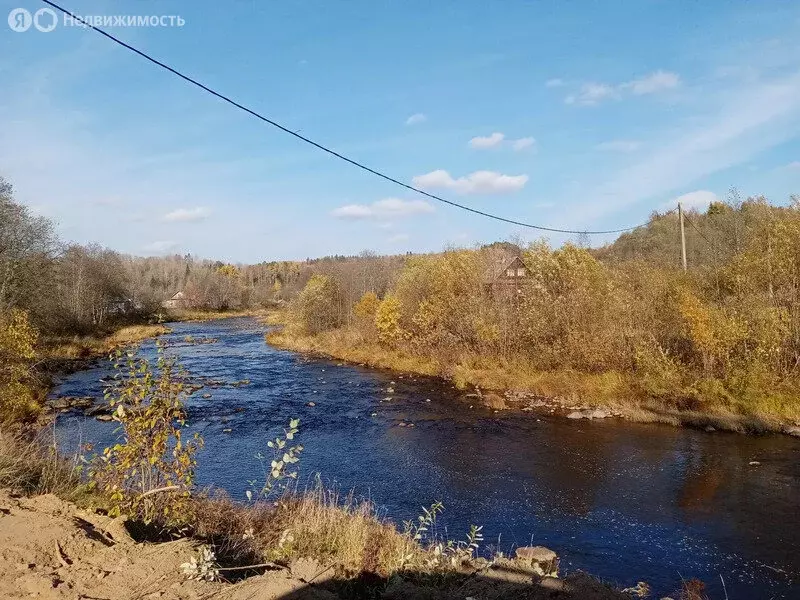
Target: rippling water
point(625, 502)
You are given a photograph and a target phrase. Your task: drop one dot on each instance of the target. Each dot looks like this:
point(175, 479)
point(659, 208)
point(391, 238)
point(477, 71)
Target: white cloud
point(794, 166)
point(698, 200)
point(523, 143)
point(479, 182)
point(620, 146)
point(554, 83)
point(388, 208)
point(657, 81)
point(160, 247)
point(489, 141)
point(398, 237)
point(497, 139)
point(415, 119)
point(592, 93)
point(186, 215)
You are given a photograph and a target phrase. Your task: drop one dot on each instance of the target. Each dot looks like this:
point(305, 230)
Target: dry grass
point(28, 466)
point(210, 315)
point(348, 346)
point(90, 346)
point(317, 523)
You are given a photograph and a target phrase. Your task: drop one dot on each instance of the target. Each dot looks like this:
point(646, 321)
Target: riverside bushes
point(623, 321)
point(148, 475)
point(20, 393)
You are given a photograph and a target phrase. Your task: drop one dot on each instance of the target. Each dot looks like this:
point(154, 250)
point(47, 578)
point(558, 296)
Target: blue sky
point(583, 115)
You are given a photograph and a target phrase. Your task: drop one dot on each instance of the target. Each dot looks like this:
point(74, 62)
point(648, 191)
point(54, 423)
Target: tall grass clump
point(30, 466)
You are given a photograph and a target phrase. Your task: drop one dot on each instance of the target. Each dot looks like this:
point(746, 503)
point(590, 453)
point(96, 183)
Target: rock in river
point(67, 402)
point(596, 413)
point(543, 560)
point(792, 430)
point(98, 409)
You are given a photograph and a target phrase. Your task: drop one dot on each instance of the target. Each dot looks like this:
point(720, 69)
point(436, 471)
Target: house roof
point(498, 268)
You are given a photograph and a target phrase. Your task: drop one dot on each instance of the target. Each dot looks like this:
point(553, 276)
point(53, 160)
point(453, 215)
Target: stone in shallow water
point(535, 554)
point(793, 430)
point(542, 560)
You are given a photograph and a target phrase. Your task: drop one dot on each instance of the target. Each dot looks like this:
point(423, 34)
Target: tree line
point(725, 334)
point(82, 289)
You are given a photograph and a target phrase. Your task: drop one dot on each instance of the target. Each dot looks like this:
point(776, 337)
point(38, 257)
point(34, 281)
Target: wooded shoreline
point(569, 394)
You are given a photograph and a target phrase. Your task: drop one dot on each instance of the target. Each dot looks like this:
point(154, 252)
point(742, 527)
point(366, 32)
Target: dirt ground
point(50, 548)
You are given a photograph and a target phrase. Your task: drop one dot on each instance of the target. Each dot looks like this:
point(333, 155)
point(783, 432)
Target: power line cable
point(712, 244)
point(319, 146)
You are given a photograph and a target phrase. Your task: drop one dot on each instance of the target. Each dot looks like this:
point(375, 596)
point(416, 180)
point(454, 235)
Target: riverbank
point(94, 346)
point(513, 385)
point(180, 315)
point(56, 541)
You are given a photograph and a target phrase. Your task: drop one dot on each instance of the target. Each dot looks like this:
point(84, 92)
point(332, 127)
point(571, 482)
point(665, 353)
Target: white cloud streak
point(490, 141)
point(497, 139)
point(739, 124)
point(388, 208)
point(698, 200)
point(658, 81)
point(523, 143)
point(593, 93)
point(186, 215)
point(479, 182)
point(415, 119)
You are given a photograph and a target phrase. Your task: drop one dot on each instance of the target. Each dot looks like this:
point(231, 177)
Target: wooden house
point(507, 278)
point(177, 301)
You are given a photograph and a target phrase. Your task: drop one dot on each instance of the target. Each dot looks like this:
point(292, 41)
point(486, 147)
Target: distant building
point(124, 306)
point(177, 301)
point(507, 278)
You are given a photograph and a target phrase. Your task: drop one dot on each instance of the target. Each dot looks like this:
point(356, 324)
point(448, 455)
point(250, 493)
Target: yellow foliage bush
point(367, 306)
point(20, 396)
point(387, 321)
point(150, 474)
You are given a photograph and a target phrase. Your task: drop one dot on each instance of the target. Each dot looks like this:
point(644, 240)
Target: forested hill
point(713, 237)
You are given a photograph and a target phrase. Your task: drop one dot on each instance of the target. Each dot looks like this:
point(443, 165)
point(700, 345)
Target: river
point(626, 502)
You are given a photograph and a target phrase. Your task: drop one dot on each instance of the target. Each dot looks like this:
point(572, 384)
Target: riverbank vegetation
point(622, 325)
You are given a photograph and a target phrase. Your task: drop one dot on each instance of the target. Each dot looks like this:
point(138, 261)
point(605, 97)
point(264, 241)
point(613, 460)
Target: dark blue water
point(623, 501)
